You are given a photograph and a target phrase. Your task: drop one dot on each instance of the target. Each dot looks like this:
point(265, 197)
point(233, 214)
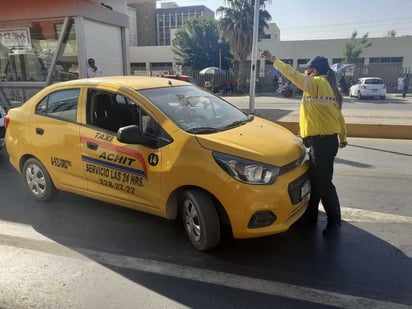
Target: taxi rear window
point(60, 104)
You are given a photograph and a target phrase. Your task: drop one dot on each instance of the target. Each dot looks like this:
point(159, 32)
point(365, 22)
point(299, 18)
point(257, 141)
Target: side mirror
point(130, 135)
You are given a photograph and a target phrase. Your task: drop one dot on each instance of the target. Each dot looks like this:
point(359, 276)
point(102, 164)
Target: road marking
point(273, 288)
point(368, 216)
point(26, 237)
point(362, 215)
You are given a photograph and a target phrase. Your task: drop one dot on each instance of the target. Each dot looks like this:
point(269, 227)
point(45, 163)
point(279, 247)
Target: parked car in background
point(368, 87)
point(2, 126)
point(165, 147)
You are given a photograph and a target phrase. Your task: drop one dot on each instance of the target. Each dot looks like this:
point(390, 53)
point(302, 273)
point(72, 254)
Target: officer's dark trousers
point(323, 150)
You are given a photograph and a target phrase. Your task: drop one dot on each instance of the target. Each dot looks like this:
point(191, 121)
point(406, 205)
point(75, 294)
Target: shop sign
point(15, 38)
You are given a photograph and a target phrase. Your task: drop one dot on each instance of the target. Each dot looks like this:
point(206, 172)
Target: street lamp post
point(219, 42)
point(253, 59)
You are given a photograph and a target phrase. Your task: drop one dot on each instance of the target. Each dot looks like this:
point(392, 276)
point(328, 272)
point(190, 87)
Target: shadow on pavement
point(382, 150)
point(352, 163)
point(388, 100)
point(356, 263)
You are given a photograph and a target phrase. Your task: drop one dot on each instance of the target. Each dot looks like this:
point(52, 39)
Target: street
point(393, 110)
point(79, 253)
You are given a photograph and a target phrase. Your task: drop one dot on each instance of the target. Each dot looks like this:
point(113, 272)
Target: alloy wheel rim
point(192, 220)
point(35, 180)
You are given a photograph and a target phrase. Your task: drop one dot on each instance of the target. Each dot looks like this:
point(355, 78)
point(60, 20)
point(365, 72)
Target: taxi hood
point(259, 140)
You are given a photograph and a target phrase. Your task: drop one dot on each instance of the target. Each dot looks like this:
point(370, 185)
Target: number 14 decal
point(153, 159)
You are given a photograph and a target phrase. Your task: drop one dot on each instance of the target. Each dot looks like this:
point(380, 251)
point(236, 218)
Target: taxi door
point(115, 170)
point(54, 137)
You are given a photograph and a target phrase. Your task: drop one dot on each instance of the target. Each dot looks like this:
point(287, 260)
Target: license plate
point(374, 90)
point(305, 190)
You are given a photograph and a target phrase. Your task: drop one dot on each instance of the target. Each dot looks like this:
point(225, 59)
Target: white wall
point(381, 47)
point(104, 44)
point(149, 54)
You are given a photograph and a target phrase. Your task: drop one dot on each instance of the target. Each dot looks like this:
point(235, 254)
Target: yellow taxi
point(164, 147)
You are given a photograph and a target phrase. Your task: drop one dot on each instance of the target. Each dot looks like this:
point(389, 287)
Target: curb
point(364, 130)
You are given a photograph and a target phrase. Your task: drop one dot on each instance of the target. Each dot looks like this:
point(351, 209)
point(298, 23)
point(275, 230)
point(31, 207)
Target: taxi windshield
point(195, 110)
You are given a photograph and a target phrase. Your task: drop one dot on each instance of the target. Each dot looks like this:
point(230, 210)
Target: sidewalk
point(389, 118)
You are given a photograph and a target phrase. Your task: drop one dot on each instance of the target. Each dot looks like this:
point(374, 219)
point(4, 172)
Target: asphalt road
point(75, 252)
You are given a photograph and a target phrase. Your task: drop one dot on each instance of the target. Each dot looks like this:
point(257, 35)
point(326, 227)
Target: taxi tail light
point(6, 121)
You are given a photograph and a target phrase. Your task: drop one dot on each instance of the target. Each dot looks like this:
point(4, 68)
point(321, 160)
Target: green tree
point(196, 45)
point(236, 26)
point(354, 47)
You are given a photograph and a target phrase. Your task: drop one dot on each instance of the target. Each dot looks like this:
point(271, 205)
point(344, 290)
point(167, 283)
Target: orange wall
point(16, 10)
point(23, 9)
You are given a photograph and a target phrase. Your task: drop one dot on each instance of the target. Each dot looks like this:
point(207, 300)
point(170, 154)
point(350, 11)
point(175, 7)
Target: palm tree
point(236, 27)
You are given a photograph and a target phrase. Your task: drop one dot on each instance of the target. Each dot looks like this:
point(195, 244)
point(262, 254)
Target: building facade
point(48, 41)
point(171, 17)
point(142, 26)
point(388, 57)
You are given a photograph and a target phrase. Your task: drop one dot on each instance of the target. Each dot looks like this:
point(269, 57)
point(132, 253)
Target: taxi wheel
point(38, 180)
point(200, 219)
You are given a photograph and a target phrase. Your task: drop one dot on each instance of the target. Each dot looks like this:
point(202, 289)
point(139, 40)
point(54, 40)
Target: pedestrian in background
point(405, 87)
point(323, 129)
point(247, 85)
point(92, 70)
point(275, 83)
point(343, 85)
point(400, 84)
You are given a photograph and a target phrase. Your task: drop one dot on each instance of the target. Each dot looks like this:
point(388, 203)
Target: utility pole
point(253, 58)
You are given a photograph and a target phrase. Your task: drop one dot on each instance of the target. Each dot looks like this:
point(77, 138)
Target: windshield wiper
point(203, 130)
point(238, 123)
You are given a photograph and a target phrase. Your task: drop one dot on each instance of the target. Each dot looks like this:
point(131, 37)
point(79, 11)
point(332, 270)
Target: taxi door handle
point(39, 131)
point(92, 145)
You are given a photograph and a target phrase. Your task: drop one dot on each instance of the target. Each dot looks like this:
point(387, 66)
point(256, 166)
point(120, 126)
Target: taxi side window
point(149, 125)
point(110, 111)
point(60, 104)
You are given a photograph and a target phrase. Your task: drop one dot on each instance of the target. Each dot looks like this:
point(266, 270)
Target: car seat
point(102, 104)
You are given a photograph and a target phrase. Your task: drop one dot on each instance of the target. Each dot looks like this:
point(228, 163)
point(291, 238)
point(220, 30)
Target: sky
point(330, 19)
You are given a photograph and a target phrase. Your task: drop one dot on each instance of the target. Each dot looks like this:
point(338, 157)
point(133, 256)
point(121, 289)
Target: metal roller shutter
point(104, 44)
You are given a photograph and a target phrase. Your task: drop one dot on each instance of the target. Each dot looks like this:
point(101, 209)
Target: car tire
point(38, 180)
point(383, 97)
point(200, 219)
point(359, 95)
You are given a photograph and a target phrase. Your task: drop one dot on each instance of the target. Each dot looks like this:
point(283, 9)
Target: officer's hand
point(343, 144)
point(267, 55)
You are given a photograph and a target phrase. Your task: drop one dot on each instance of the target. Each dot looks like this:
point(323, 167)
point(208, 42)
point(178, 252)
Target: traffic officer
point(323, 129)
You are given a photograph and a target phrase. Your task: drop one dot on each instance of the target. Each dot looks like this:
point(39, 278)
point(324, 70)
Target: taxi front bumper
point(256, 211)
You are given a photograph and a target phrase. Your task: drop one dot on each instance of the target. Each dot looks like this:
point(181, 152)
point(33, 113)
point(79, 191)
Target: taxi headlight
point(247, 171)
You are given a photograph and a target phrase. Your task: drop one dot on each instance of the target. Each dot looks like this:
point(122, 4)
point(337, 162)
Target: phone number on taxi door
point(116, 186)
